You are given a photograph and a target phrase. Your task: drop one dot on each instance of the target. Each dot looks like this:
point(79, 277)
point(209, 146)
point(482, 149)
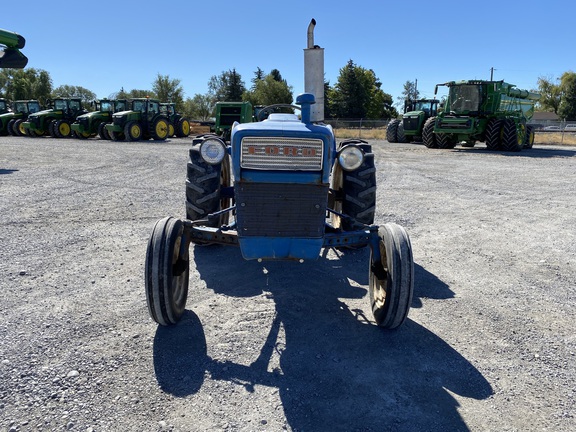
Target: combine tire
point(182, 128)
point(445, 141)
point(159, 130)
point(428, 135)
point(167, 270)
point(494, 134)
point(511, 140)
point(357, 192)
point(204, 183)
point(392, 130)
point(529, 139)
point(391, 281)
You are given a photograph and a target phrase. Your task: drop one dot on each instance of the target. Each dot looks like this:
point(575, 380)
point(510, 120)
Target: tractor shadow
point(338, 370)
point(534, 152)
point(7, 171)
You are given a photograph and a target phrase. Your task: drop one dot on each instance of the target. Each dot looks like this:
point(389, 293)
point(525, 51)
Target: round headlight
point(351, 157)
point(213, 151)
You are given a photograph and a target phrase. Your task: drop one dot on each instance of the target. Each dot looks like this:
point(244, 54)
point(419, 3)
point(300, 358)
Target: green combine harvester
point(493, 112)
point(10, 55)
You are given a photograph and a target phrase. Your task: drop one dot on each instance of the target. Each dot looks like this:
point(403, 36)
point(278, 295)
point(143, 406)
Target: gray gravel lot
point(489, 344)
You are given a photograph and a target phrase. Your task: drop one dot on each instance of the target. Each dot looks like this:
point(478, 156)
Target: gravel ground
point(489, 344)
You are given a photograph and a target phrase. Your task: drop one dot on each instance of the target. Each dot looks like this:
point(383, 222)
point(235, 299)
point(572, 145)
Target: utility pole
point(492, 73)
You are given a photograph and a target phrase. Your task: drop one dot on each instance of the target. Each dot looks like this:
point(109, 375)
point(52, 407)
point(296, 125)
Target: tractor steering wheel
point(268, 108)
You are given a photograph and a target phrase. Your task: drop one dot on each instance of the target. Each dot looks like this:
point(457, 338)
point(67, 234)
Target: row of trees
point(356, 94)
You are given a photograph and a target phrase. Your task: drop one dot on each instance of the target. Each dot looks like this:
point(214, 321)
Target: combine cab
point(55, 121)
point(94, 123)
point(11, 122)
point(281, 189)
point(493, 112)
point(410, 127)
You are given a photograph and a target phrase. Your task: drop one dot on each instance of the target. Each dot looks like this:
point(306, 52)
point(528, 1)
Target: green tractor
point(94, 123)
point(178, 125)
point(4, 106)
point(55, 121)
point(410, 127)
point(11, 122)
point(143, 121)
point(229, 112)
point(493, 112)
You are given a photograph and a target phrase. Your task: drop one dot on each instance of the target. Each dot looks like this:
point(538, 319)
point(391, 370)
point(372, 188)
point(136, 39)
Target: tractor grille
point(281, 153)
point(458, 124)
point(411, 123)
point(280, 209)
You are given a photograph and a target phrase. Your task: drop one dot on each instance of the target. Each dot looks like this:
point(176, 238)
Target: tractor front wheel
point(160, 129)
point(103, 132)
point(62, 129)
point(132, 131)
point(392, 130)
point(167, 270)
point(392, 279)
point(182, 128)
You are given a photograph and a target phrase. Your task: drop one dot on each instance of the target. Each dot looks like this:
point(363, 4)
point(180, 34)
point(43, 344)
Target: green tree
point(226, 87)
point(358, 94)
point(567, 109)
point(269, 91)
point(200, 107)
point(169, 90)
point(16, 84)
point(258, 76)
point(550, 94)
point(409, 92)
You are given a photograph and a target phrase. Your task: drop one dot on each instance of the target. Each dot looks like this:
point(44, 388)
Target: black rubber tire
point(10, 127)
point(359, 192)
point(428, 135)
point(103, 132)
point(167, 271)
point(117, 136)
point(529, 139)
point(132, 131)
point(391, 131)
point(391, 282)
point(400, 135)
point(183, 128)
point(51, 128)
point(510, 139)
point(62, 129)
point(159, 129)
point(204, 183)
point(494, 134)
point(445, 141)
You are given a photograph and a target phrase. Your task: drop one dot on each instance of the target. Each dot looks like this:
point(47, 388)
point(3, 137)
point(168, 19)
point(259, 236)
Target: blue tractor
point(294, 192)
point(281, 189)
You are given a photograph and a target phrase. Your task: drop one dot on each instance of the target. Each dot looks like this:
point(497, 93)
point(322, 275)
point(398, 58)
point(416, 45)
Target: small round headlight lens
point(213, 151)
point(351, 157)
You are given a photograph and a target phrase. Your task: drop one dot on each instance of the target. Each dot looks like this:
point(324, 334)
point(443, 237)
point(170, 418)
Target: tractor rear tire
point(19, 128)
point(358, 192)
point(392, 130)
point(391, 281)
point(51, 128)
point(204, 183)
point(494, 134)
point(182, 128)
point(159, 131)
point(428, 135)
point(10, 127)
point(511, 140)
point(400, 135)
point(167, 271)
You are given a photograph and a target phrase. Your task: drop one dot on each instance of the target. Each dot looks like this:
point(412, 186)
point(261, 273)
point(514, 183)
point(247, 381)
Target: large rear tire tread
point(428, 136)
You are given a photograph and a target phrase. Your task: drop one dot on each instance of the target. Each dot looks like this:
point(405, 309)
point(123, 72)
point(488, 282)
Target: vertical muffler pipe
point(314, 74)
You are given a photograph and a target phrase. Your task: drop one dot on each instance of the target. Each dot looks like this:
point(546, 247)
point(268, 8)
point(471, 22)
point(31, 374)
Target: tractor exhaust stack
point(314, 74)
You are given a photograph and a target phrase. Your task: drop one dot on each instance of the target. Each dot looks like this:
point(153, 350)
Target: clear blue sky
point(106, 45)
